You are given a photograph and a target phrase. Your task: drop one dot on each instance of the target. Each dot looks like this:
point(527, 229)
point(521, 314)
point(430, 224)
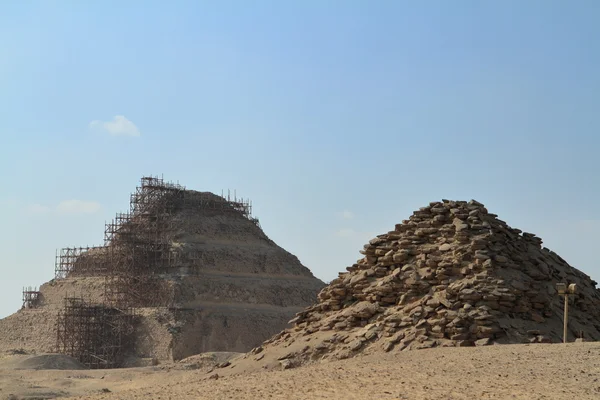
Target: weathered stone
point(359, 277)
point(452, 275)
point(483, 342)
point(355, 345)
point(364, 309)
point(470, 294)
point(537, 317)
point(460, 336)
point(387, 346)
point(445, 247)
point(544, 339)
point(341, 325)
point(370, 334)
point(397, 337)
point(426, 344)
point(287, 364)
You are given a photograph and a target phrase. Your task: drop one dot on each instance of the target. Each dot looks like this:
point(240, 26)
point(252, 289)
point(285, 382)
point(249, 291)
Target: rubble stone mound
point(451, 275)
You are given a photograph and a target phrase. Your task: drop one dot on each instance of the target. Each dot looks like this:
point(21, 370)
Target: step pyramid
point(195, 269)
point(453, 274)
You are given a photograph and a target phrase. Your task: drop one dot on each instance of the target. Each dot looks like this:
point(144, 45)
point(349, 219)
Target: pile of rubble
point(451, 275)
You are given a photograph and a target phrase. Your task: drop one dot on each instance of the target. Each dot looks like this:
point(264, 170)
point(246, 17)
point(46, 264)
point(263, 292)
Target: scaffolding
point(31, 297)
point(134, 277)
point(144, 229)
point(81, 261)
point(154, 193)
point(136, 252)
point(98, 336)
point(139, 247)
point(155, 196)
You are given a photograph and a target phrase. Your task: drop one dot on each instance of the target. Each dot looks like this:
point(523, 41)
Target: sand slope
point(528, 372)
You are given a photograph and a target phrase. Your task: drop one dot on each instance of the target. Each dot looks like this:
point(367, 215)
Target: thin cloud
point(119, 126)
point(66, 207)
point(38, 209)
point(346, 214)
point(78, 207)
point(346, 233)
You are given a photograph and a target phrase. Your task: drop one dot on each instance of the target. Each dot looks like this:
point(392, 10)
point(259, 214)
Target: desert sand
point(536, 371)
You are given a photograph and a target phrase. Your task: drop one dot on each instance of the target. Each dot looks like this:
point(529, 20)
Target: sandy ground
point(540, 371)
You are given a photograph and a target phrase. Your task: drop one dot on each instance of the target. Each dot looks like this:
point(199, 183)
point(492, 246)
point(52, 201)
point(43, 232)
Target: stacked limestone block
point(451, 275)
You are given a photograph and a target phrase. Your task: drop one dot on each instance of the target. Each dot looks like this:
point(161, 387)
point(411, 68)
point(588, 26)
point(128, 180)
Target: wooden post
point(566, 318)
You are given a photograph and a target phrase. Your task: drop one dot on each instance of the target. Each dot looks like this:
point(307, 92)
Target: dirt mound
point(50, 361)
point(451, 275)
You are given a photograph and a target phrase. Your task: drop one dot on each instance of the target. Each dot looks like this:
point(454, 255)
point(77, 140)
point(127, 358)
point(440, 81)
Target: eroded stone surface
point(451, 275)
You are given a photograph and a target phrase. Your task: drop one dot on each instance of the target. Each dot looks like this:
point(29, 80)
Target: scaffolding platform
point(31, 297)
point(98, 336)
point(136, 252)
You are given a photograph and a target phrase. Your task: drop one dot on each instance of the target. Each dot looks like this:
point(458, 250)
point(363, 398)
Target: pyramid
point(195, 268)
point(453, 274)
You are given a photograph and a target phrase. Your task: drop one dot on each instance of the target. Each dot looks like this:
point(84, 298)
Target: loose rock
point(451, 275)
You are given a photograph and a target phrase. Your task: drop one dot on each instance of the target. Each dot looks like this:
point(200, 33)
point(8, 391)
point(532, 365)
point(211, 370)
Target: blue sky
point(337, 118)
